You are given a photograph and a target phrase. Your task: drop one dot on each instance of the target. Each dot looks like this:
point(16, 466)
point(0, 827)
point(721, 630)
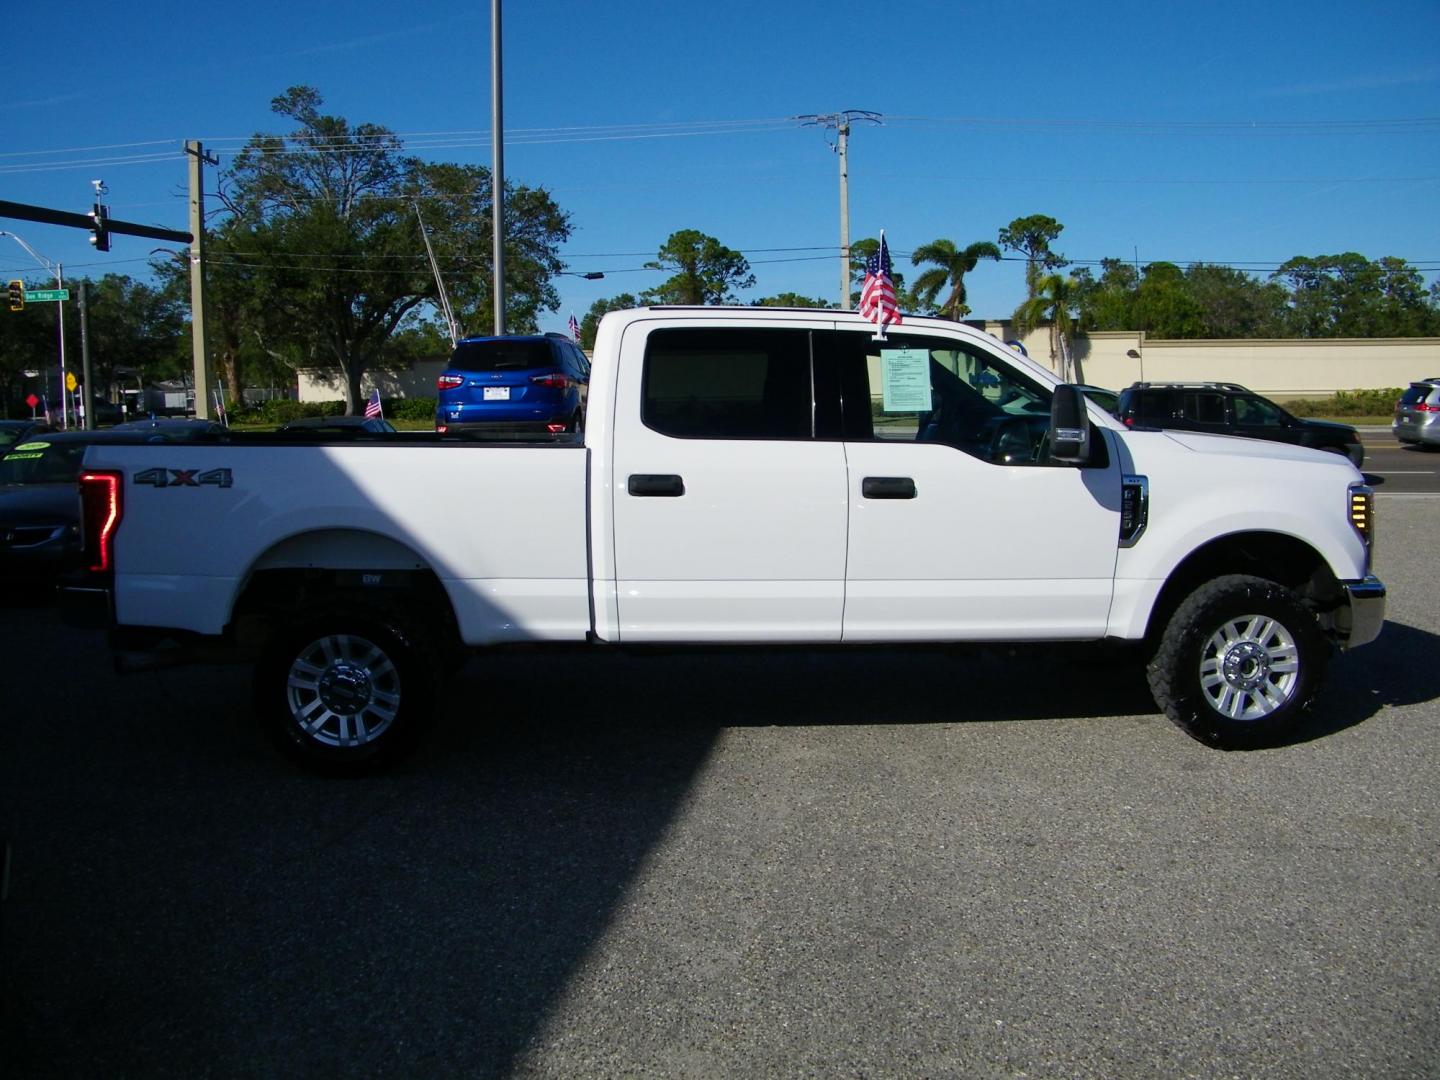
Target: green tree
point(951, 266)
point(591, 322)
point(1032, 236)
point(790, 299)
point(1054, 304)
point(324, 235)
point(135, 328)
point(1164, 306)
point(704, 271)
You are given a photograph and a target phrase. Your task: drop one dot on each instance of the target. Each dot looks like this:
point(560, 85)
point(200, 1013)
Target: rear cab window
point(501, 356)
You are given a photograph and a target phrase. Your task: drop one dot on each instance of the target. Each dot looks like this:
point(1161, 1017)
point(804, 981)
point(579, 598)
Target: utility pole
point(840, 123)
point(87, 396)
point(198, 161)
point(497, 168)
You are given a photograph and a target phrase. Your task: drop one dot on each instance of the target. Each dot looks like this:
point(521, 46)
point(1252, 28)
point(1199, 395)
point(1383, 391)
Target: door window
point(912, 388)
point(1257, 412)
point(728, 384)
point(1203, 407)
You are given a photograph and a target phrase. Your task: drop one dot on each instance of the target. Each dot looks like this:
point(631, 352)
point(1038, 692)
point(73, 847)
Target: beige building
point(1278, 368)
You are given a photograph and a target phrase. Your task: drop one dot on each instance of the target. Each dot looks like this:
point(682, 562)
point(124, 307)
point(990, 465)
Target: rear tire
point(1239, 663)
point(349, 690)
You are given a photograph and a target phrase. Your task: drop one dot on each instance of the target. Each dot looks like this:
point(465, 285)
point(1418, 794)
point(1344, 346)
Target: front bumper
point(1359, 618)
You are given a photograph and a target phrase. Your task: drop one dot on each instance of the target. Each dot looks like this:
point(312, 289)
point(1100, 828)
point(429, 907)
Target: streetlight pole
point(497, 170)
point(59, 272)
point(840, 122)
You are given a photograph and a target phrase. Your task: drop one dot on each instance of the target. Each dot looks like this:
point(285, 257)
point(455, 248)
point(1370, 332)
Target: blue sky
point(1242, 133)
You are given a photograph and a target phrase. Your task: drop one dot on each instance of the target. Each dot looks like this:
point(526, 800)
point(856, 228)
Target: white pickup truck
point(744, 476)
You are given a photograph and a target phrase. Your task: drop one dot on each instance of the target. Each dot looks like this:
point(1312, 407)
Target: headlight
point(1362, 513)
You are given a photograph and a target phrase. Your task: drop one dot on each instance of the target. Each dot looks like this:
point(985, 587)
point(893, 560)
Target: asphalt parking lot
point(804, 863)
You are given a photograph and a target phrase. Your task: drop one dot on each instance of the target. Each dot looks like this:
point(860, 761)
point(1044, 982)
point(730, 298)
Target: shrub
point(416, 408)
point(281, 411)
point(1349, 403)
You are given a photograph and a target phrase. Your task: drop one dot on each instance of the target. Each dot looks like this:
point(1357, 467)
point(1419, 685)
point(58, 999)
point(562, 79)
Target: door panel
point(738, 537)
point(959, 528)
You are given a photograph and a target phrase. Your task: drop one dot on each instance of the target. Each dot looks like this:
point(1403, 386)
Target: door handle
point(887, 487)
point(657, 485)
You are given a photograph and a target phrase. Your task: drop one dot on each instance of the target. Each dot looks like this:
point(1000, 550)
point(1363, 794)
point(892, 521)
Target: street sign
point(32, 401)
point(71, 382)
point(35, 295)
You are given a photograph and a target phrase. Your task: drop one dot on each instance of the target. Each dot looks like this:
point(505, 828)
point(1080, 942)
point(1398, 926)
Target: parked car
point(1223, 408)
point(40, 502)
point(175, 429)
point(1417, 414)
point(1109, 400)
point(336, 425)
point(513, 384)
point(13, 432)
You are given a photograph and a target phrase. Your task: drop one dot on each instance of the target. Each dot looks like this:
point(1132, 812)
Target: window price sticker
point(905, 378)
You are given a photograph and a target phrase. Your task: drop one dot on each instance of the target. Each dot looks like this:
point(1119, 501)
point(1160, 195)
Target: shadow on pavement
point(185, 903)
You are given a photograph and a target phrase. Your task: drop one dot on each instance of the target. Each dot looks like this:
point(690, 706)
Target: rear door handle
point(887, 487)
point(656, 485)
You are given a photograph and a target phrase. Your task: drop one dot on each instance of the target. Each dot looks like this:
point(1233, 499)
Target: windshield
point(39, 462)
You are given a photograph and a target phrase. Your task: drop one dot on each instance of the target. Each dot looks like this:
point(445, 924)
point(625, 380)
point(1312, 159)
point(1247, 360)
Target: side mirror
point(1069, 426)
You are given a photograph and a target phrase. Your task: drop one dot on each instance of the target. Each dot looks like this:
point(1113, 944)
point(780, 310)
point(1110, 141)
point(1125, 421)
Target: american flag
point(574, 327)
point(372, 405)
point(877, 292)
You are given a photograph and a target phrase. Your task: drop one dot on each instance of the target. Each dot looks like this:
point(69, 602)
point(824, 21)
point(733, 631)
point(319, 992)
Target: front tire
point(346, 691)
point(1239, 663)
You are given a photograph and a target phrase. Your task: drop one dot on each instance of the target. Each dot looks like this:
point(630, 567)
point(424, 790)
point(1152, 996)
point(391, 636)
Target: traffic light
point(17, 295)
point(100, 235)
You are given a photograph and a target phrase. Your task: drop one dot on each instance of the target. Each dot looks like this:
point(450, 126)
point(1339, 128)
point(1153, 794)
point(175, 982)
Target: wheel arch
point(320, 567)
point(1278, 557)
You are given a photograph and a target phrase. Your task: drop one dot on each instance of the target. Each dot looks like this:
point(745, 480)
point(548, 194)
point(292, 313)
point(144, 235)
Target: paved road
point(1399, 470)
point(887, 864)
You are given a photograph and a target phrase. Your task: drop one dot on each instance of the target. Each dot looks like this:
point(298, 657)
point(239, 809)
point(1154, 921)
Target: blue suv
point(513, 384)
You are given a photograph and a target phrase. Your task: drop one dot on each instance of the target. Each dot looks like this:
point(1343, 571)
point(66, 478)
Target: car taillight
point(555, 382)
point(101, 505)
point(1422, 407)
point(441, 429)
point(449, 382)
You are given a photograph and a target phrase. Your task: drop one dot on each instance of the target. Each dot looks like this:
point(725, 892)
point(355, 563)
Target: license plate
point(497, 393)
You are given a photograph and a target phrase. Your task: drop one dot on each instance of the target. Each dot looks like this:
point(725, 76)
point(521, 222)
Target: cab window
point(728, 384)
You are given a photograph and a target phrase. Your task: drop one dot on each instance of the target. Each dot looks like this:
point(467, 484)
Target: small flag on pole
point(877, 292)
point(220, 408)
point(574, 327)
point(372, 405)
point(45, 408)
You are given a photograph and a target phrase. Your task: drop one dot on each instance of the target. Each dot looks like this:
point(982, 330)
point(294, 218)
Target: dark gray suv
point(1220, 408)
point(1417, 414)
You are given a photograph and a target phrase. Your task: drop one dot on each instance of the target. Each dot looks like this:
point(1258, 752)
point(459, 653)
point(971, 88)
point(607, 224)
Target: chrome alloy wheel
point(343, 690)
point(1249, 667)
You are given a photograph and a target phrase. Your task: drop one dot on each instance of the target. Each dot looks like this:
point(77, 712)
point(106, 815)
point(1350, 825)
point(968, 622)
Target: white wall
point(418, 380)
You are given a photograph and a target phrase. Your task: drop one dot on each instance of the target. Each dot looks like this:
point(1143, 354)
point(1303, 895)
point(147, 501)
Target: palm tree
point(952, 265)
point(1054, 300)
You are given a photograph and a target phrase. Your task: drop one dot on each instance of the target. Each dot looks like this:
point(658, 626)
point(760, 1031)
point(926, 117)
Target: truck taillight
point(101, 505)
point(449, 382)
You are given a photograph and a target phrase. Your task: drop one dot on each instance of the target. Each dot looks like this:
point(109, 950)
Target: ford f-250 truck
point(745, 476)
